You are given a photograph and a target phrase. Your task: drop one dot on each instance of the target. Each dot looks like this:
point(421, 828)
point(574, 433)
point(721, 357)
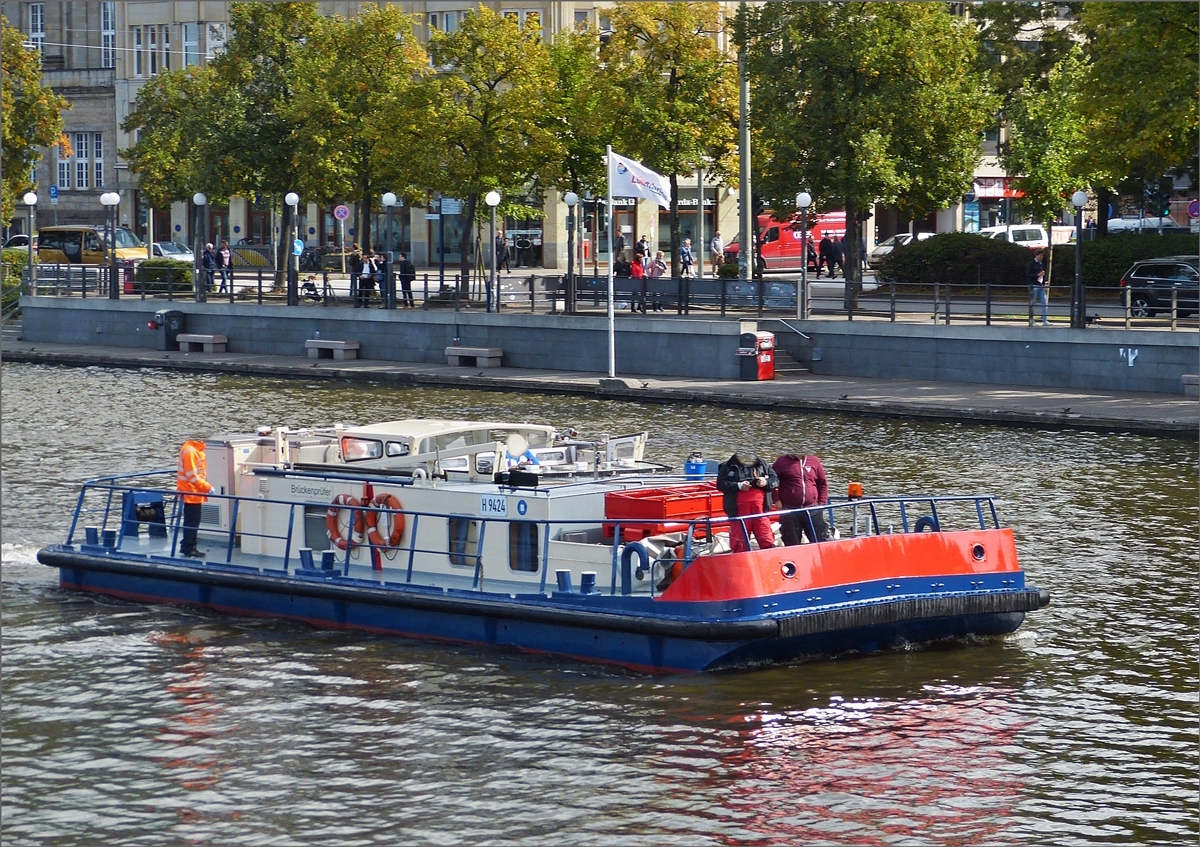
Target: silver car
point(171, 250)
point(883, 248)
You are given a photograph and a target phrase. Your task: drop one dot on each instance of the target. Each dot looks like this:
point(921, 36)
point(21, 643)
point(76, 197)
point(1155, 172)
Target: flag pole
point(612, 332)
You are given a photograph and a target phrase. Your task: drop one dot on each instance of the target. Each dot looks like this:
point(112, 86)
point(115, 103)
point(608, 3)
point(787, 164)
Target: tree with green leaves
point(678, 108)
point(490, 131)
point(582, 110)
point(30, 116)
point(1139, 91)
point(360, 89)
point(863, 102)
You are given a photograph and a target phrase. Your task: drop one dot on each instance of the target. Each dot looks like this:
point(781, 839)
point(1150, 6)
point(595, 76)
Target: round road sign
point(341, 212)
point(298, 247)
point(1194, 209)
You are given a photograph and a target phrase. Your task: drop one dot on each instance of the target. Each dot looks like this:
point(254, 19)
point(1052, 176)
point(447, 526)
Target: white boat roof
point(418, 428)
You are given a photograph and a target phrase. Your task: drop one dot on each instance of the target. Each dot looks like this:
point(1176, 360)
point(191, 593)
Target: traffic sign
point(297, 247)
point(341, 212)
point(54, 196)
point(1193, 208)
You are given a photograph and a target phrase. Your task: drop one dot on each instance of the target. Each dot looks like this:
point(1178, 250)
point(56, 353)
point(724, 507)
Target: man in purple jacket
point(802, 484)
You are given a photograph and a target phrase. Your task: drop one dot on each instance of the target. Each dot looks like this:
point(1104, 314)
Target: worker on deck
point(747, 483)
point(191, 479)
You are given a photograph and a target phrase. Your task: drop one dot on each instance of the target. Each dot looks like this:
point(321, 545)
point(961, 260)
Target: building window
point(37, 25)
point(152, 37)
point(433, 21)
point(166, 48)
point(581, 19)
point(81, 160)
point(98, 160)
point(108, 34)
point(191, 44)
point(64, 173)
point(139, 67)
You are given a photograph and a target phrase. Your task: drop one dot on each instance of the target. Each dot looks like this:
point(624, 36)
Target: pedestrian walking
point(825, 255)
point(208, 261)
point(619, 247)
point(685, 258)
point(643, 247)
point(225, 263)
point(838, 254)
point(408, 275)
point(717, 248)
point(657, 269)
point(501, 251)
point(1035, 278)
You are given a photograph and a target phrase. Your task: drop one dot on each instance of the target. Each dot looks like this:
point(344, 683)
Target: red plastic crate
point(665, 506)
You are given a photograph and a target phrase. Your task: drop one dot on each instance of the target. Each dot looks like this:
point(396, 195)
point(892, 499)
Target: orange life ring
point(332, 528)
point(374, 536)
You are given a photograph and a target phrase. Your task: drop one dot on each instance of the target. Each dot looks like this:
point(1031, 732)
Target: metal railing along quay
point(937, 301)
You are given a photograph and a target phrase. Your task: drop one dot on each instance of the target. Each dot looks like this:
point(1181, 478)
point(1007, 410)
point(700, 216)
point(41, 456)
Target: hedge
point(959, 258)
point(154, 274)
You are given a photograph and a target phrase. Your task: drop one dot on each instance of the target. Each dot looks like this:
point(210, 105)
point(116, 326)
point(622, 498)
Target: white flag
point(627, 178)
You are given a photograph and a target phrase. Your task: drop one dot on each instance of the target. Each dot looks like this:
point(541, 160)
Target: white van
point(1032, 236)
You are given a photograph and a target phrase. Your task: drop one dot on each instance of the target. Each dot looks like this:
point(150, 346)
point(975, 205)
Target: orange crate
point(665, 506)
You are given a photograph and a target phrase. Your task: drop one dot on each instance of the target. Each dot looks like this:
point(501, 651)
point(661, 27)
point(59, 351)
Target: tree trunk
point(362, 226)
point(282, 247)
point(676, 233)
point(851, 266)
point(468, 236)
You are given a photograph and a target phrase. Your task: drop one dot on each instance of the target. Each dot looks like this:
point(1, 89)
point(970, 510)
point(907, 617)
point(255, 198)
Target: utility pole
point(746, 256)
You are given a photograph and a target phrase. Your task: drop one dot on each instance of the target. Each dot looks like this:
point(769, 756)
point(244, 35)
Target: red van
point(783, 243)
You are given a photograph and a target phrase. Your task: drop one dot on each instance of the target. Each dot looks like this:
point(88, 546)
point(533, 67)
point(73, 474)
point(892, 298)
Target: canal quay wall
point(1139, 360)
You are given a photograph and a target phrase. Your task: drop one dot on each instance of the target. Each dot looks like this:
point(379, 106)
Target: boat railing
point(112, 508)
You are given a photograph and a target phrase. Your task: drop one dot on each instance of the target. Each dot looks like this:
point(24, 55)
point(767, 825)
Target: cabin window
point(397, 448)
point(523, 546)
point(359, 449)
point(464, 541)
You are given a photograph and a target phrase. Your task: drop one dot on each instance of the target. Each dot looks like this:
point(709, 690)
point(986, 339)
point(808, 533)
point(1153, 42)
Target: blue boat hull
point(668, 643)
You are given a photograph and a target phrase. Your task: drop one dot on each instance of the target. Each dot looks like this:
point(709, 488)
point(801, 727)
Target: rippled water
point(128, 724)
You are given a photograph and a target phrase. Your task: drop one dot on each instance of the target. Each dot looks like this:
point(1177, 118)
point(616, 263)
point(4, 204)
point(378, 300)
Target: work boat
point(521, 536)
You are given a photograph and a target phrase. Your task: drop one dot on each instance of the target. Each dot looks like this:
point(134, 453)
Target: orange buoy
point(394, 516)
point(333, 527)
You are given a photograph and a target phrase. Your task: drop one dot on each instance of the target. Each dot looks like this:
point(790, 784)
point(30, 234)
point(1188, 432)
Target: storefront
point(989, 204)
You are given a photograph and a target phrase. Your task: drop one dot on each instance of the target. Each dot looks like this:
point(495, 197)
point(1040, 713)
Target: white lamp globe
point(30, 198)
point(291, 198)
point(803, 200)
point(199, 199)
point(492, 198)
point(1079, 199)
point(389, 199)
point(571, 198)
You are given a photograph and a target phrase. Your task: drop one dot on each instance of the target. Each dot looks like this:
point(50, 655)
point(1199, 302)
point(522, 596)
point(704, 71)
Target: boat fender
point(926, 522)
point(626, 565)
point(374, 536)
point(333, 531)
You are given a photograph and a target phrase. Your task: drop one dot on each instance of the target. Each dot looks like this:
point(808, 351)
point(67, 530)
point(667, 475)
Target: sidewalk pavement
point(1168, 415)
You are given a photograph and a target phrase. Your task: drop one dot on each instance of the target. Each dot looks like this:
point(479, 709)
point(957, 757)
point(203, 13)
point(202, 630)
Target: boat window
point(397, 448)
point(464, 541)
point(316, 535)
point(523, 546)
point(358, 449)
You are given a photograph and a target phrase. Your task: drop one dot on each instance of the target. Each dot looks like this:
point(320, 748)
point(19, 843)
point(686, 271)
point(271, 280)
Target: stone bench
point(1191, 385)
point(325, 348)
point(481, 357)
point(190, 342)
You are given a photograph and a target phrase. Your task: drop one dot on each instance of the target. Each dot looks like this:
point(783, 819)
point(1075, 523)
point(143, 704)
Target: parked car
point(1151, 282)
point(171, 250)
point(1116, 225)
point(86, 245)
point(1032, 236)
point(883, 248)
point(20, 242)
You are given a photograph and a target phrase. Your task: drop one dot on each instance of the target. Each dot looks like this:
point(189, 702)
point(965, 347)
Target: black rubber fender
point(926, 522)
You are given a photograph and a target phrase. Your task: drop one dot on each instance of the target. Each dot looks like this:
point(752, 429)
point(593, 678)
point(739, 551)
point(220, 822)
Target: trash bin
point(168, 323)
point(757, 352)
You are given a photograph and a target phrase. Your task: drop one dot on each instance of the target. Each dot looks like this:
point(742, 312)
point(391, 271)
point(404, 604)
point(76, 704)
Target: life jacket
point(191, 475)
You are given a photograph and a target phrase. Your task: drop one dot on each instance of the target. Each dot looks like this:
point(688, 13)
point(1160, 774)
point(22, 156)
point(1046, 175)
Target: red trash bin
point(758, 356)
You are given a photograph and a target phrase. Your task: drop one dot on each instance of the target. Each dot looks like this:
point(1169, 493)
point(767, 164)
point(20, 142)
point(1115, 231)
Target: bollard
point(1128, 308)
point(563, 578)
point(1174, 308)
point(892, 285)
point(260, 286)
point(109, 537)
point(91, 535)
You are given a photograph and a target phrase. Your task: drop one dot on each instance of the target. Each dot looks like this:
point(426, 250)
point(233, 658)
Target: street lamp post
point(110, 200)
point(571, 199)
point(492, 198)
point(201, 284)
point(1078, 300)
point(389, 283)
point(30, 199)
point(803, 201)
point(292, 199)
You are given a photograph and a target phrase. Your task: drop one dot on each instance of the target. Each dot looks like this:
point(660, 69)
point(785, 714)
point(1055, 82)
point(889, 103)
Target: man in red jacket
point(802, 484)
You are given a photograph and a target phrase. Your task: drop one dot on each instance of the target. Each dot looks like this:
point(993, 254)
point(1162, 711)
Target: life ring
point(332, 528)
point(374, 536)
point(926, 522)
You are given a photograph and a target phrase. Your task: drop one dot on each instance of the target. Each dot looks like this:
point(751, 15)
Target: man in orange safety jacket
point(191, 478)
